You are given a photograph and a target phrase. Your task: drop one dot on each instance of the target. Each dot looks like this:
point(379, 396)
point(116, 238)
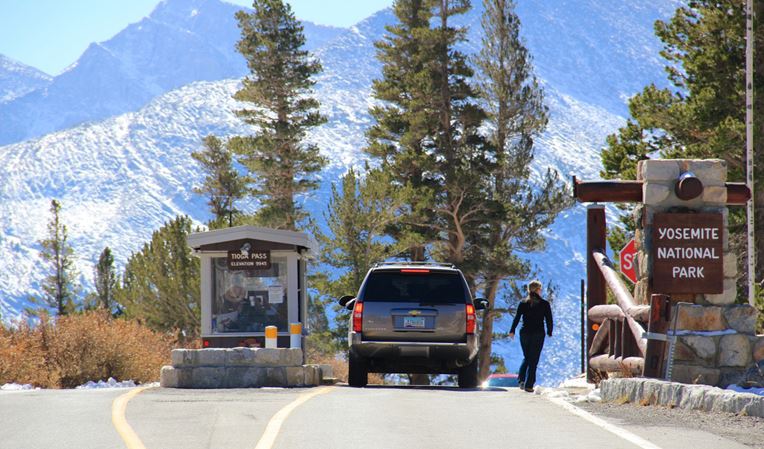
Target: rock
point(702, 347)
point(184, 357)
point(241, 357)
point(742, 318)
point(735, 351)
point(700, 318)
point(641, 266)
point(168, 377)
point(715, 195)
point(712, 172)
point(730, 265)
point(660, 170)
point(655, 194)
point(268, 357)
point(291, 357)
point(691, 374)
point(275, 377)
point(208, 377)
point(758, 349)
point(211, 357)
point(244, 377)
point(725, 298)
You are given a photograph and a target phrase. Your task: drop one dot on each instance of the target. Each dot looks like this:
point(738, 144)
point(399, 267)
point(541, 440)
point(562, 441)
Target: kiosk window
point(247, 301)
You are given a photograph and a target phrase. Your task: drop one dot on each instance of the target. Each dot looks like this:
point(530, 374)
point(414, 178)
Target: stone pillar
point(716, 345)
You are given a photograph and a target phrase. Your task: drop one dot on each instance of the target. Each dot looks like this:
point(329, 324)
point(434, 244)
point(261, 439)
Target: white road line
point(622, 433)
point(118, 408)
point(274, 425)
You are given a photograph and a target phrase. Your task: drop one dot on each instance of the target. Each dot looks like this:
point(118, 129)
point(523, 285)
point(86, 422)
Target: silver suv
point(413, 318)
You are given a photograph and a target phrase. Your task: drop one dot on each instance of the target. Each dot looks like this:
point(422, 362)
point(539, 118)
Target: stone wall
point(239, 368)
point(717, 342)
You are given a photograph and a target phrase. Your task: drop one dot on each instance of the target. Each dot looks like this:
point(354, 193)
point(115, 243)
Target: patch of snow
point(17, 387)
point(111, 383)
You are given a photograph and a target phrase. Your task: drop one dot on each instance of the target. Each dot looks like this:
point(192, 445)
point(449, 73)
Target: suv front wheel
point(468, 375)
point(358, 373)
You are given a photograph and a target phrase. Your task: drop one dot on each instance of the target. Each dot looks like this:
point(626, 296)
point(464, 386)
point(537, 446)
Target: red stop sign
point(626, 256)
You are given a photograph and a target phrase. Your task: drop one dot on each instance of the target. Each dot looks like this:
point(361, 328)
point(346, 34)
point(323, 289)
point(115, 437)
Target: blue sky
point(51, 34)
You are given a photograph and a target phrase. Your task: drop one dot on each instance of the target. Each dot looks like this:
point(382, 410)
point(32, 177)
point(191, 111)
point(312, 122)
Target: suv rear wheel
point(358, 373)
point(468, 375)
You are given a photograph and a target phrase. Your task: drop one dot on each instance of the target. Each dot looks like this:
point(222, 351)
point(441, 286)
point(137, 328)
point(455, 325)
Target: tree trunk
point(486, 331)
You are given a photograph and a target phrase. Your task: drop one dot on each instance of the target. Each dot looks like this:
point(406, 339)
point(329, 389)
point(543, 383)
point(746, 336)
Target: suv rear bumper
point(386, 355)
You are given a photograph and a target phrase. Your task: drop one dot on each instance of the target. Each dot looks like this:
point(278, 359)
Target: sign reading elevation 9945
point(688, 253)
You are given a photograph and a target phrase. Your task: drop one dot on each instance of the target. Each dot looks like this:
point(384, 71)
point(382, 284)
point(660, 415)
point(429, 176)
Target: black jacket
point(534, 310)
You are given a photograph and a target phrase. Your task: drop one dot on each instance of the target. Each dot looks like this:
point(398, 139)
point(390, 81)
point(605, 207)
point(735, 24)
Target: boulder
point(735, 351)
point(692, 374)
point(702, 346)
point(700, 318)
point(742, 318)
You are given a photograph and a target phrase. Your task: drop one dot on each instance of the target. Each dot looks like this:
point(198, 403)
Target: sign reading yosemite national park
point(688, 253)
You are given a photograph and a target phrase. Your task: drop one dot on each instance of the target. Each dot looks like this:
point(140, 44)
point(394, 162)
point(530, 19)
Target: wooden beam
point(608, 191)
point(655, 355)
point(600, 313)
point(619, 191)
point(596, 293)
point(599, 343)
point(632, 365)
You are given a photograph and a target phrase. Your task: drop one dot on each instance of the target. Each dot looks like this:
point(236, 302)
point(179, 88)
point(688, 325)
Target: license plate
point(413, 322)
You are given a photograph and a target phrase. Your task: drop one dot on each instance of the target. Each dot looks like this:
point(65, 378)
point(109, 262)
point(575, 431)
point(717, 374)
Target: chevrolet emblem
point(414, 312)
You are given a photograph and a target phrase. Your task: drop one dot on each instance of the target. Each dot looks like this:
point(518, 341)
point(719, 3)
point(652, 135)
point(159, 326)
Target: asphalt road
point(337, 418)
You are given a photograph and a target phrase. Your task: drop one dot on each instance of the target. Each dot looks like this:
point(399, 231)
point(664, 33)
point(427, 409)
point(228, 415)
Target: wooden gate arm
point(619, 191)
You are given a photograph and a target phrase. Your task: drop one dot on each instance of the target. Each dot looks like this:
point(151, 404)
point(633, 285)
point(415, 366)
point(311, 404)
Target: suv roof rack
point(432, 264)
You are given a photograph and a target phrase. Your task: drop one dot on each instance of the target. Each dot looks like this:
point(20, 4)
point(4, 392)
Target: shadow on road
point(450, 388)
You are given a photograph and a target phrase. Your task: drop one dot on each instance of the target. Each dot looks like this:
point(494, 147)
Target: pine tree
point(280, 162)
point(59, 288)
point(519, 212)
point(105, 280)
point(703, 114)
point(222, 183)
point(160, 284)
point(427, 129)
point(357, 216)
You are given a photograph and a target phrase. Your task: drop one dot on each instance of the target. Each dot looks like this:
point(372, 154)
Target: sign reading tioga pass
point(688, 253)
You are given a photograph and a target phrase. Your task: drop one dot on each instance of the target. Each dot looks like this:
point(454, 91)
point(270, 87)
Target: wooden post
point(660, 317)
point(596, 293)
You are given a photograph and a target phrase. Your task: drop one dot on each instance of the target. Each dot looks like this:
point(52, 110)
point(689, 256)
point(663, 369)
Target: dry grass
point(69, 351)
point(622, 400)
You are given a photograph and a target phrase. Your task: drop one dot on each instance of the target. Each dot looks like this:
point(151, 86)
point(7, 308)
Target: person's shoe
point(529, 389)
point(521, 384)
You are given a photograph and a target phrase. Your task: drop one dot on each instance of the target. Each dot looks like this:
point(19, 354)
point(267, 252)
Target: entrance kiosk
point(251, 278)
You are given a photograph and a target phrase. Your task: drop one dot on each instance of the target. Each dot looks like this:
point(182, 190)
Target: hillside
point(121, 178)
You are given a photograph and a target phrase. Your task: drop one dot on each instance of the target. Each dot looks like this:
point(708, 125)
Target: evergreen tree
point(105, 280)
point(516, 115)
point(59, 288)
point(280, 163)
point(357, 215)
point(160, 285)
point(703, 114)
point(427, 129)
point(222, 183)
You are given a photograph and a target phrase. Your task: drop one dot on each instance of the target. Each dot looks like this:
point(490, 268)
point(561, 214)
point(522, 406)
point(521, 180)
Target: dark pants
point(532, 344)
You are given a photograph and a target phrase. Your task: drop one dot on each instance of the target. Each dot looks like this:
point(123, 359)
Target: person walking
point(534, 310)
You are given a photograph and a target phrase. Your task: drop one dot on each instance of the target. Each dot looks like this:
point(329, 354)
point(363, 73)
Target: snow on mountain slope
point(17, 79)
point(180, 42)
point(121, 178)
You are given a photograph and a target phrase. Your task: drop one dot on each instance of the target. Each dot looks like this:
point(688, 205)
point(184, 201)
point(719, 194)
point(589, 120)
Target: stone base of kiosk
point(239, 368)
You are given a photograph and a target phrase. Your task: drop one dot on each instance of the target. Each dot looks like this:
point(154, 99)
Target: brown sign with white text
point(688, 253)
point(248, 258)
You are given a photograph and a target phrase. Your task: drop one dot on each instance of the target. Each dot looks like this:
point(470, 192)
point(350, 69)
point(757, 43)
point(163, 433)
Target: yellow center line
point(118, 408)
point(274, 425)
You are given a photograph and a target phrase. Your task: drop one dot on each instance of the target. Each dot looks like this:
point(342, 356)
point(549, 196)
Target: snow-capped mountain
point(180, 42)
point(121, 178)
point(17, 79)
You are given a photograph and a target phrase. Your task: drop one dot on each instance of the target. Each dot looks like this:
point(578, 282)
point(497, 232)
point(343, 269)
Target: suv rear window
point(432, 287)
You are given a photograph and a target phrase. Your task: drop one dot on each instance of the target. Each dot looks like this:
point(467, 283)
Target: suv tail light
point(358, 317)
point(471, 319)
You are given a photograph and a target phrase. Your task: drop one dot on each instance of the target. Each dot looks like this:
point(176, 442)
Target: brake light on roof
point(471, 319)
point(358, 317)
point(414, 270)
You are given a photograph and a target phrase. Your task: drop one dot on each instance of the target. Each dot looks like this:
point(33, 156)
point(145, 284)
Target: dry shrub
point(338, 363)
point(72, 350)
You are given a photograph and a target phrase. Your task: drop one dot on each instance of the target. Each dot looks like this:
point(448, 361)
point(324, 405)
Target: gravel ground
point(745, 430)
